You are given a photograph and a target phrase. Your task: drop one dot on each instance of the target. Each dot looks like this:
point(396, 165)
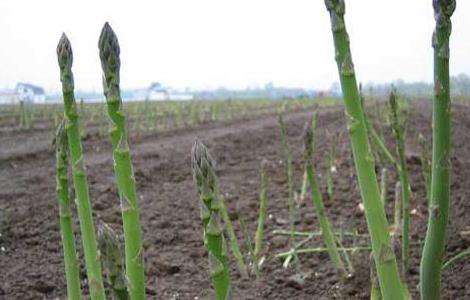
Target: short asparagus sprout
point(263, 203)
point(206, 183)
point(72, 273)
point(325, 225)
point(92, 259)
point(434, 246)
point(110, 247)
point(123, 169)
point(385, 260)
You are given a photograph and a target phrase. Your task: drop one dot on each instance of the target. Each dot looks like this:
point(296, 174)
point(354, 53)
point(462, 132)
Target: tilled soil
point(176, 261)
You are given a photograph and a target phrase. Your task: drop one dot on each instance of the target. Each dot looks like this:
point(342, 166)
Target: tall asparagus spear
point(434, 245)
point(385, 261)
point(65, 215)
point(93, 266)
point(403, 174)
point(206, 182)
point(110, 63)
point(325, 225)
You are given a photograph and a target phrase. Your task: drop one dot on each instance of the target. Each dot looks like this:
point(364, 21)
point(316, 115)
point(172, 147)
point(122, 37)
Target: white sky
point(232, 43)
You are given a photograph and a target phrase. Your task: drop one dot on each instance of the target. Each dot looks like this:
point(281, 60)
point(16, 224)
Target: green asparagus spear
point(110, 63)
point(385, 261)
point(403, 174)
point(434, 246)
point(206, 182)
point(92, 259)
point(327, 232)
point(72, 273)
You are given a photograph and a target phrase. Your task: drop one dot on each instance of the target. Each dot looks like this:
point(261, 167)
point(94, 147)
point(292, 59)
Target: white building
point(157, 92)
point(30, 93)
point(8, 96)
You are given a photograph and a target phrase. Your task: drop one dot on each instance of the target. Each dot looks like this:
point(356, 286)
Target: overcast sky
point(231, 43)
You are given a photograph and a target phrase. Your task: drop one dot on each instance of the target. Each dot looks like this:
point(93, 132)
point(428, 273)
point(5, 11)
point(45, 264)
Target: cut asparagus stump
point(110, 63)
point(92, 261)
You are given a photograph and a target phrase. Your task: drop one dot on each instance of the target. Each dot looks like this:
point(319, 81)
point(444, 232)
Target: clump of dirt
point(176, 261)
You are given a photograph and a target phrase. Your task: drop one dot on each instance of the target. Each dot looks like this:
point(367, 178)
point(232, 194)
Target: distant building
point(8, 96)
point(158, 92)
point(30, 93)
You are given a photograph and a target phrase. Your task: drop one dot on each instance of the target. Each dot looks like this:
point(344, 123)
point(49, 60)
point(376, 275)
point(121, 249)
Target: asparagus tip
point(108, 44)
point(202, 164)
point(64, 52)
point(308, 139)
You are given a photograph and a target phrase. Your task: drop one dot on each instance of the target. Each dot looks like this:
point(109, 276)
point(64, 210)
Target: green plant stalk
point(206, 183)
point(375, 288)
point(403, 174)
point(434, 246)
point(321, 249)
point(425, 166)
point(350, 267)
point(113, 262)
point(110, 63)
point(377, 141)
point(263, 203)
point(325, 225)
point(249, 246)
point(397, 208)
point(383, 186)
point(72, 271)
point(289, 172)
point(92, 259)
point(303, 189)
point(385, 261)
point(329, 175)
point(455, 258)
point(315, 233)
point(234, 246)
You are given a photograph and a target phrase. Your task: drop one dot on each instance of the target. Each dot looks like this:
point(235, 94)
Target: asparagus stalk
point(403, 174)
point(263, 202)
point(110, 63)
point(92, 260)
point(434, 246)
point(206, 182)
point(377, 140)
point(425, 165)
point(290, 173)
point(383, 186)
point(113, 262)
point(234, 246)
point(375, 288)
point(327, 233)
point(72, 273)
point(385, 261)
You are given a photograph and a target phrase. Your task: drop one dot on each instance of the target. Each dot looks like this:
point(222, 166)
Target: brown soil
point(176, 261)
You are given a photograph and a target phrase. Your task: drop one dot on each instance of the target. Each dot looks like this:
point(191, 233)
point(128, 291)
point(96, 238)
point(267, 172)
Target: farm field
point(176, 263)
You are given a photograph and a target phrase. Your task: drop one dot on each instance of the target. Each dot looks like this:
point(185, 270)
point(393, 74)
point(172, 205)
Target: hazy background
point(230, 43)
